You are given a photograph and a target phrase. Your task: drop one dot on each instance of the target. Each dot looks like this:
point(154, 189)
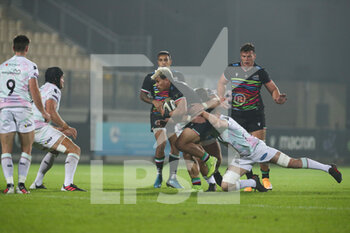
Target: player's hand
point(158, 105)
point(70, 132)
point(282, 98)
point(46, 116)
point(224, 103)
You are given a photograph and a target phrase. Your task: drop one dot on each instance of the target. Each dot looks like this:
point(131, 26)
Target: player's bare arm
point(275, 93)
point(51, 106)
point(222, 87)
point(36, 96)
point(218, 124)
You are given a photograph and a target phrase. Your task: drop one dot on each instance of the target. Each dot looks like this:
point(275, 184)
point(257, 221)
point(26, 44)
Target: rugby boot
point(211, 188)
point(158, 182)
point(333, 171)
point(10, 189)
point(211, 164)
point(72, 188)
point(259, 186)
point(21, 189)
point(173, 183)
point(34, 186)
point(267, 184)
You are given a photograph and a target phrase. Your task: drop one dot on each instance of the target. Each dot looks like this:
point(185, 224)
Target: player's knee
point(224, 186)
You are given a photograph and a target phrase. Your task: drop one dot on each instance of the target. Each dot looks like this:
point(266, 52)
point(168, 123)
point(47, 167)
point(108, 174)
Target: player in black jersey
point(247, 108)
point(151, 95)
point(187, 102)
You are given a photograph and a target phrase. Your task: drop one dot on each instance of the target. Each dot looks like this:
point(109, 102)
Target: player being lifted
point(151, 95)
point(52, 139)
point(18, 80)
point(253, 150)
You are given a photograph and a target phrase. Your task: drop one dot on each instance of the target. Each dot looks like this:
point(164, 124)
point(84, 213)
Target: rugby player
point(247, 108)
point(151, 95)
point(184, 97)
point(55, 140)
point(253, 150)
point(18, 81)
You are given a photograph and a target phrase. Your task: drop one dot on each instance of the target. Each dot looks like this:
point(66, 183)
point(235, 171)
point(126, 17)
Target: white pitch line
point(246, 205)
point(296, 207)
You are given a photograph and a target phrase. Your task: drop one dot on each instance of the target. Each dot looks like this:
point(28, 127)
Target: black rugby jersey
point(246, 85)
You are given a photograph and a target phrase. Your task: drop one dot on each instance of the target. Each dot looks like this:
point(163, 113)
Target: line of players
point(190, 128)
point(27, 110)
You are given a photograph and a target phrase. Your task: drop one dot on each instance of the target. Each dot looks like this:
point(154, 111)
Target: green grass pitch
point(301, 201)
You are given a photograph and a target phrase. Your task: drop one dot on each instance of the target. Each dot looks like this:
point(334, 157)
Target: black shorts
point(250, 120)
point(170, 128)
point(204, 130)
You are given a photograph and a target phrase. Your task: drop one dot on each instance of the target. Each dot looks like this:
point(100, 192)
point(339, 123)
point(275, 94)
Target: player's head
point(20, 44)
point(248, 55)
point(163, 77)
point(54, 75)
point(203, 93)
point(164, 59)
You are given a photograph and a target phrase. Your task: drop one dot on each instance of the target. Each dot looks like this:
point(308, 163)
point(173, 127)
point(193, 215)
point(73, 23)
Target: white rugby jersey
point(47, 91)
point(14, 82)
point(238, 137)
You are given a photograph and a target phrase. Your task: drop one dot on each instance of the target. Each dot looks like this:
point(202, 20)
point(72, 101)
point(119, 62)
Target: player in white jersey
point(18, 80)
point(52, 139)
point(253, 150)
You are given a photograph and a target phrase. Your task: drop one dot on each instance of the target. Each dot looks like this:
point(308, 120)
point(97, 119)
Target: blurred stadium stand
point(64, 33)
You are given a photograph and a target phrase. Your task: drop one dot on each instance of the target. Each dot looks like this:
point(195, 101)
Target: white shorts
point(16, 120)
point(46, 137)
point(261, 154)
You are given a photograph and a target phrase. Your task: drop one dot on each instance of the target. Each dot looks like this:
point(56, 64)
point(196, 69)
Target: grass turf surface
point(301, 201)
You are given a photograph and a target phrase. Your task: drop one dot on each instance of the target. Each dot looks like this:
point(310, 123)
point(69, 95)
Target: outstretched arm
point(218, 124)
point(275, 93)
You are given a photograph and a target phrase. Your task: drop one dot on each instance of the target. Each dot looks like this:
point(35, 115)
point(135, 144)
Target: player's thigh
point(188, 136)
point(47, 136)
point(261, 134)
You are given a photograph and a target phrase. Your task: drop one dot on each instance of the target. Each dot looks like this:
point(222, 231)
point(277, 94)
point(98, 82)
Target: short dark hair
point(247, 47)
point(164, 52)
point(20, 43)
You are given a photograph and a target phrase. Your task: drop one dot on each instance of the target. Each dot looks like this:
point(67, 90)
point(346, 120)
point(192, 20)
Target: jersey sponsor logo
point(263, 157)
point(255, 77)
point(48, 140)
point(239, 99)
point(13, 72)
point(28, 125)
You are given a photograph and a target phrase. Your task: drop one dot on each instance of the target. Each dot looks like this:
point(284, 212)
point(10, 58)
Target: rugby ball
point(169, 105)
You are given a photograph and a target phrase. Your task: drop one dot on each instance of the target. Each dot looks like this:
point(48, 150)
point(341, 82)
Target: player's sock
point(218, 178)
point(159, 164)
point(205, 157)
point(23, 167)
point(7, 167)
point(265, 174)
point(45, 165)
point(249, 174)
point(196, 181)
point(247, 183)
point(210, 180)
point(173, 163)
point(70, 167)
point(312, 164)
